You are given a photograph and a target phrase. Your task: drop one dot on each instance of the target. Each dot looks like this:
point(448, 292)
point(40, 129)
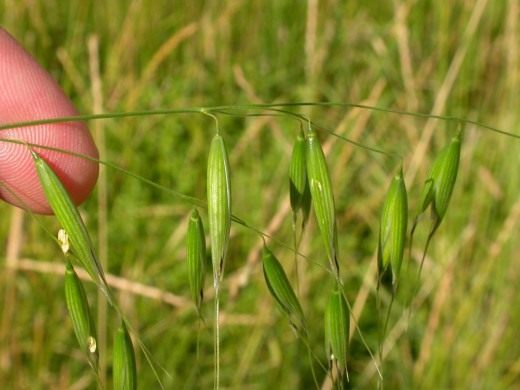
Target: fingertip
point(29, 93)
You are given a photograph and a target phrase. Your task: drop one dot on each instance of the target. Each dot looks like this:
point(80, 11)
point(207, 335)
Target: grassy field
point(461, 60)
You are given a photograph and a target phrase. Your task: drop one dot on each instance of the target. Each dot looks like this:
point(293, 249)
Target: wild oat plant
point(328, 353)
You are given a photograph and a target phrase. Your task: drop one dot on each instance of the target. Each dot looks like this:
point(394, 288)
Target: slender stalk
point(216, 339)
point(205, 110)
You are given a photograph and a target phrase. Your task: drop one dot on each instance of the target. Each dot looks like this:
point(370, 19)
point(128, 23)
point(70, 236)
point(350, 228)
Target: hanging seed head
point(196, 258)
point(124, 368)
point(337, 322)
point(322, 197)
point(392, 229)
point(298, 185)
point(78, 308)
point(282, 292)
point(441, 180)
point(219, 204)
point(69, 218)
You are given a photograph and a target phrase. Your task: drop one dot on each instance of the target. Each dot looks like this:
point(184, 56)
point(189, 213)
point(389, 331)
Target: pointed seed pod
point(298, 185)
point(78, 308)
point(69, 218)
point(124, 368)
point(196, 258)
point(337, 322)
point(297, 173)
point(393, 227)
point(281, 290)
point(441, 180)
point(322, 197)
point(219, 204)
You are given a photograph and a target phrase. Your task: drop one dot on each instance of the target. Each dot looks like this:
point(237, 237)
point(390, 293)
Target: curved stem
point(205, 110)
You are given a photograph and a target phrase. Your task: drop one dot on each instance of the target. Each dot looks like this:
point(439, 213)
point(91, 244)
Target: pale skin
point(28, 92)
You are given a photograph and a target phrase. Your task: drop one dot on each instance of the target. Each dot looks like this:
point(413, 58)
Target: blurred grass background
point(421, 56)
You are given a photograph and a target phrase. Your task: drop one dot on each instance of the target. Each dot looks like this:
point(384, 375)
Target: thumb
point(27, 92)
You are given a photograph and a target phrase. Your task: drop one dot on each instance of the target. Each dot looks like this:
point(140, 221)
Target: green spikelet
point(219, 204)
point(393, 229)
point(299, 190)
point(282, 292)
point(196, 258)
point(337, 323)
point(69, 218)
point(322, 198)
point(124, 368)
point(439, 185)
point(79, 312)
